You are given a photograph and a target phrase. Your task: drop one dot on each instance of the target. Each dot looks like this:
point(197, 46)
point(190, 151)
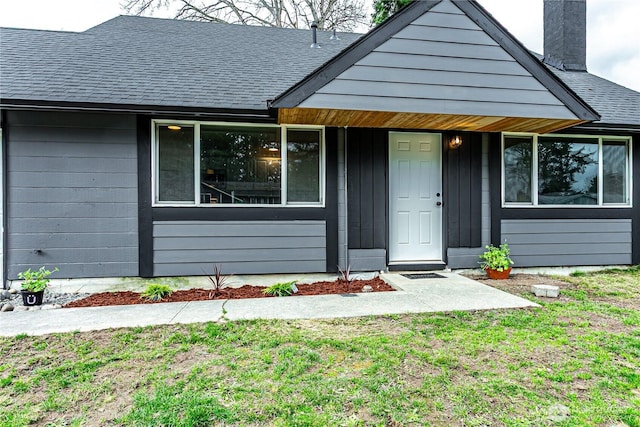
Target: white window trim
point(534, 171)
point(196, 152)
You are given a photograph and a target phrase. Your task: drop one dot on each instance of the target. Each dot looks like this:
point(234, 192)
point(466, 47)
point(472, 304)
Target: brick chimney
point(565, 34)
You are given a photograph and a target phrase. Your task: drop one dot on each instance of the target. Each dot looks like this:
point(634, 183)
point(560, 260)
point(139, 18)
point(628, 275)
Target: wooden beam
point(391, 120)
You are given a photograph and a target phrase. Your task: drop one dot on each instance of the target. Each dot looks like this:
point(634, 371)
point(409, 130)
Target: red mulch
point(246, 291)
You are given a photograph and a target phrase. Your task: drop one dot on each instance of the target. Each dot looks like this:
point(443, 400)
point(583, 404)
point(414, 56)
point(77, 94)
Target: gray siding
point(367, 259)
point(449, 66)
point(486, 193)
point(72, 194)
point(463, 257)
point(566, 242)
point(342, 200)
point(239, 247)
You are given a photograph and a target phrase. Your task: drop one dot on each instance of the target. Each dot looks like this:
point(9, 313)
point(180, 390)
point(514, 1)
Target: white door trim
point(416, 226)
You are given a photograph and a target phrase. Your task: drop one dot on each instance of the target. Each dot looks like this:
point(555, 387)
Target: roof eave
point(44, 105)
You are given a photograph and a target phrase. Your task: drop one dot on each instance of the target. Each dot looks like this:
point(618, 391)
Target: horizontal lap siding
point(441, 63)
point(367, 259)
point(72, 194)
point(568, 242)
point(247, 247)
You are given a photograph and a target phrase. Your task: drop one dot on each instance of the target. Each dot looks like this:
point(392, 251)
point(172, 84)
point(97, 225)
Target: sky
point(613, 31)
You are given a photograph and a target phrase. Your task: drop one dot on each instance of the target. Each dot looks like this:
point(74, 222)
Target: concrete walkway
point(450, 293)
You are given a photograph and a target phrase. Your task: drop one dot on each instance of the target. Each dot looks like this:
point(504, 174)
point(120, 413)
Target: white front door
point(415, 202)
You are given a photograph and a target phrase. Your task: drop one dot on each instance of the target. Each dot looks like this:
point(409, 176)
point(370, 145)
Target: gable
point(443, 63)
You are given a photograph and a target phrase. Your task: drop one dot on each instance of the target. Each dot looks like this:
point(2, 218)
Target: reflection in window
point(303, 166)
point(614, 174)
point(175, 164)
point(567, 172)
point(517, 169)
point(240, 165)
point(564, 170)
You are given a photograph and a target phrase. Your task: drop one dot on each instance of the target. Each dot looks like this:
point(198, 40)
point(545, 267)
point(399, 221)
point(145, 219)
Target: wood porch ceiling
point(391, 120)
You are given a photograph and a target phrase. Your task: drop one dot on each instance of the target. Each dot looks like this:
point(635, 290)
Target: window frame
point(155, 164)
point(535, 164)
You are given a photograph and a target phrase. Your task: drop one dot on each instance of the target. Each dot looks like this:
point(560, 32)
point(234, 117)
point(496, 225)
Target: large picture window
point(214, 164)
point(561, 170)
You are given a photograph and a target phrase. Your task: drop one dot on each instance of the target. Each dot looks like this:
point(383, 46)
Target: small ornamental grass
point(218, 281)
point(281, 289)
point(496, 258)
point(156, 292)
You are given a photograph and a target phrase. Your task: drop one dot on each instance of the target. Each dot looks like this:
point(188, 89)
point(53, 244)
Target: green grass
point(509, 367)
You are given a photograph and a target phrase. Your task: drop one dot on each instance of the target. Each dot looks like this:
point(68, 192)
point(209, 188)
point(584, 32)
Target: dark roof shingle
point(160, 62)
point(616, 104)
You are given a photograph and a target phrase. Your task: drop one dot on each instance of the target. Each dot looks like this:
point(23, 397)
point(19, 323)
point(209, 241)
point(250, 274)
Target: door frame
point(429, 264)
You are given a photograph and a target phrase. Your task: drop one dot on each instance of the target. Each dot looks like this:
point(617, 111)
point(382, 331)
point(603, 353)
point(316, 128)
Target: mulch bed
point(246, 291)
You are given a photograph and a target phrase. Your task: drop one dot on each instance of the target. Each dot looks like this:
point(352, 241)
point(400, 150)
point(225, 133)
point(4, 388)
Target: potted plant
point(496, 261)
point(33, 285)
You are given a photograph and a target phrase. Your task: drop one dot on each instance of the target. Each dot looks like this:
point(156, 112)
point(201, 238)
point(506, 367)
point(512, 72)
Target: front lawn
point(573, 362)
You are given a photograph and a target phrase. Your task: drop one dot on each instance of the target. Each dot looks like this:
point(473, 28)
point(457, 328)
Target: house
point(151, 147)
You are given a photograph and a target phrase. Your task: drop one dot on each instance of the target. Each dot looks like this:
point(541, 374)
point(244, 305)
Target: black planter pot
point(32, 298)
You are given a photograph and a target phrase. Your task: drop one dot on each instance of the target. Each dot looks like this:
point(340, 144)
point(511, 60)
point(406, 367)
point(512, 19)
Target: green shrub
point(496, 258)
point(36, 281)
point(281, 289)
point(156, 292)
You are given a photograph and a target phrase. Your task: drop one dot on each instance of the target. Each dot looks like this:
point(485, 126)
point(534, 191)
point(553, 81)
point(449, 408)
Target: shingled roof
point(616, 104)
point(138, 61)
point(143, 61)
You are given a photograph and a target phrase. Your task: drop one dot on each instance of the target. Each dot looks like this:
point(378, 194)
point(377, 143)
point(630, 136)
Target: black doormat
point(424, 276)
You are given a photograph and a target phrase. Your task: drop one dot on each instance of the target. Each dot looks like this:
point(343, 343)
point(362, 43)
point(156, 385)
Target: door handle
point(438, 203)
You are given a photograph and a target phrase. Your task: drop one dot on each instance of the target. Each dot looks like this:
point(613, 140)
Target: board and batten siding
point(442, 63)
point(72, 193)
point(367, 198)
point(563, 242)
point(469, 257)
point(182, 248)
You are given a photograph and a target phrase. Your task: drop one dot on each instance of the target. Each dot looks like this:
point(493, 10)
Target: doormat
point(423, 276)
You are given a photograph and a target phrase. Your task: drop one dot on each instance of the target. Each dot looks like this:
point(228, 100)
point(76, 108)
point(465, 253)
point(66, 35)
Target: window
point(559, 170)
point(213, 164)
point(175, 164)
point(303, 166)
